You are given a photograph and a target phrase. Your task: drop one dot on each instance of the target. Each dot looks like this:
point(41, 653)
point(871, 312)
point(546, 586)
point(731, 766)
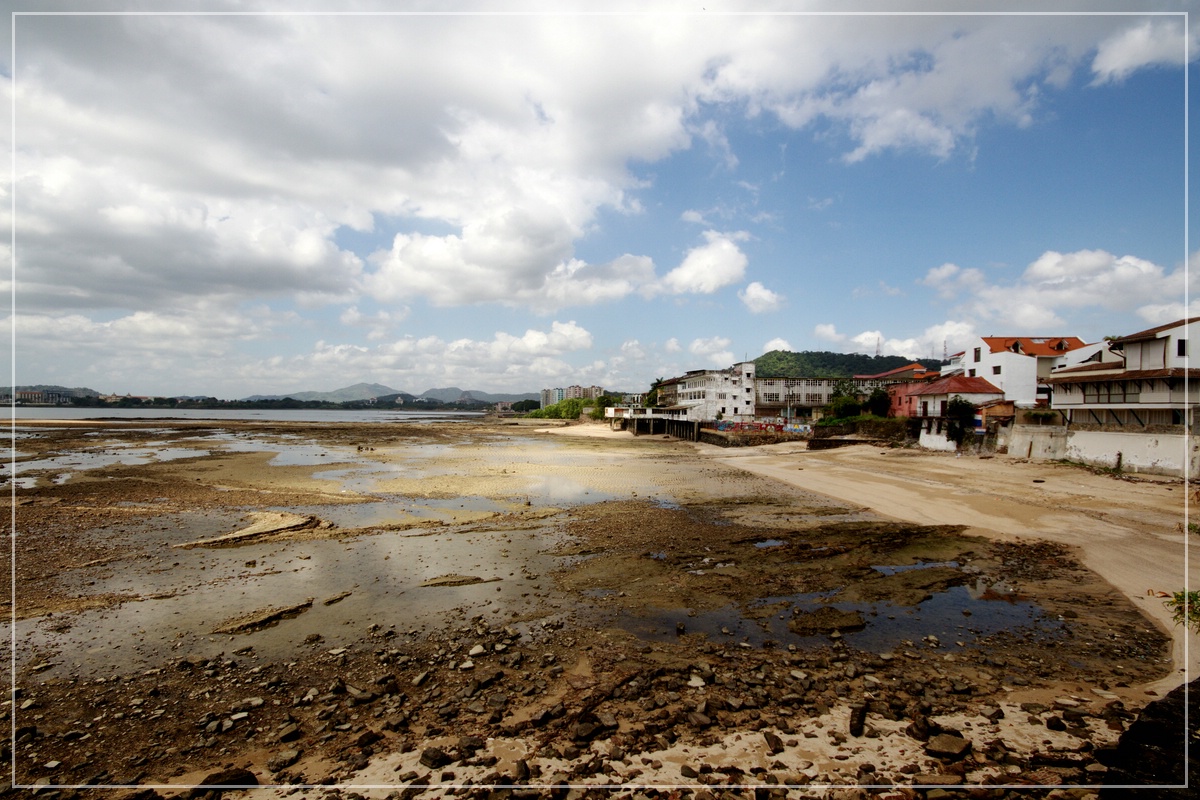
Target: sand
point(580, 566)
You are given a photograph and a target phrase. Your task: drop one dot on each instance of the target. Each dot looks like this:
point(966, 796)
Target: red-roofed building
point(933, 398)
point(907, 373)
point(1019, 365)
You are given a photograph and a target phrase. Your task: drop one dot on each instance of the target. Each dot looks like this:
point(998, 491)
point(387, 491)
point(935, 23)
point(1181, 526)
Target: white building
point(1018, 365)
point(1132, 416)
point(803, 398)
point(707, 395)
point(1152, 386)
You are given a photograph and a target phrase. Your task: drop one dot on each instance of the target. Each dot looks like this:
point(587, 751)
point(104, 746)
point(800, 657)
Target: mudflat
point(381, 606)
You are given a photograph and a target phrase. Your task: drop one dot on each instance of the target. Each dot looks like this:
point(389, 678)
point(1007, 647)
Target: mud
point(540, 611)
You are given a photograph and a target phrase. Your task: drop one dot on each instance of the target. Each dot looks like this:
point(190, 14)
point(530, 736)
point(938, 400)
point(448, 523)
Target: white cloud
point(714, 350)
point(1152, 42)
point(711, 266)
point(828, 332)
point(759, 299)
point(672, 345)
point(778, 344)
point(377, 325)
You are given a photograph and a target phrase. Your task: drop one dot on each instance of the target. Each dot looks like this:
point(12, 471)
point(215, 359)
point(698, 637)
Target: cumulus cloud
point(778, 344)
point(1056, 283)
point(828, 332)
point(713, 265)
point(1153, 42)
point(477, 153)
point(759, 299)
point(946, 337)
point(714, 351)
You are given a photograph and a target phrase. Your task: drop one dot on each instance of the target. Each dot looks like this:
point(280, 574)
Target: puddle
point(187, 594)
point(888, 627)
point(770, 543)
point(82, 460)
point(896, 570)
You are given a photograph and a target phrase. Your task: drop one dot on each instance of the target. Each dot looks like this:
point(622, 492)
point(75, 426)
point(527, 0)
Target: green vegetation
point(1185, 609)
point(565, 409)
point(843, 407)
point(522, 406)
point(960, 416)
point(851, 419)
point(879, 402)
point(823, 364)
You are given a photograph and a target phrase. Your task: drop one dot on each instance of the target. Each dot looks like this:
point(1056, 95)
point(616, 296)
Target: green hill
point(824, 364)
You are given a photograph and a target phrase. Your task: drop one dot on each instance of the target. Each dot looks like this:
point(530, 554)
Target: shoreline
point(610, 500)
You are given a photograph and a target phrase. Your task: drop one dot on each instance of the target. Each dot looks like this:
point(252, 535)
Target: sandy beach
point(376, 608)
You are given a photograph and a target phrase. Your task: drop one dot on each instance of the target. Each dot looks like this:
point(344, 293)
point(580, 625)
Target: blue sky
point(264, 203)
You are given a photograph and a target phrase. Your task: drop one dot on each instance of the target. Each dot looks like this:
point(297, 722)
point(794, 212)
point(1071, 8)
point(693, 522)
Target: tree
point(843, 406)
point(960, 419)
point(844, 388)
point(879, 402)
point(652, 395)
point(526, 405)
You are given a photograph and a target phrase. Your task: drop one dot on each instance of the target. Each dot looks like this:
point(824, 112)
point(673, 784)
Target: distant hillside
point(824, 364)
point(75, 392)
point(453, 394)
point(366, 391)
point(359, 391)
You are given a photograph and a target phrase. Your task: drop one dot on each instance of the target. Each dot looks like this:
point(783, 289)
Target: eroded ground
point(442, 604)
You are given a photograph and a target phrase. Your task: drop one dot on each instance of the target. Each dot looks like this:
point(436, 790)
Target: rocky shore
point(703, 632)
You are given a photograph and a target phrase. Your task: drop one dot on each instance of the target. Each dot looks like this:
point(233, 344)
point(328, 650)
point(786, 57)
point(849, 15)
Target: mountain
point(78, 391)
point(359, 391)
point(453, 394)
point(824, 364)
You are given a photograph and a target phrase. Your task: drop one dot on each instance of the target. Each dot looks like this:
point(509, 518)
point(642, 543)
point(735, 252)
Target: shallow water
point(889, 627)
point(189, 593)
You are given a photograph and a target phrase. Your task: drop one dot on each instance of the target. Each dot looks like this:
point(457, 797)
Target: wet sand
point(573, 605)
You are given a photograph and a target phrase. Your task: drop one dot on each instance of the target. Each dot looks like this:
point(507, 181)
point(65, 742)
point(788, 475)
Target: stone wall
point(1151, 453)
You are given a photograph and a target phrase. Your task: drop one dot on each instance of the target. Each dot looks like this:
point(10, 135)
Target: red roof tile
point(1034, 345)
point(959, 384)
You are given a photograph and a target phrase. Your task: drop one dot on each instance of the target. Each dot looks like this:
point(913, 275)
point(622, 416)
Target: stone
point(434, 757)
point(232, 778)
point(774, 743)
point(947, 745)
point(282, 760)
point(289, 732)
point(858, 718)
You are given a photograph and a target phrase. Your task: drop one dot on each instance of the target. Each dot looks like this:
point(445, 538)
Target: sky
point(246, 202)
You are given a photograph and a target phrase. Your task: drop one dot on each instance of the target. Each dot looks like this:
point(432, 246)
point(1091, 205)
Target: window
point(1181, 347)
point(970, 373)
point(977, 353)
point(996, 370)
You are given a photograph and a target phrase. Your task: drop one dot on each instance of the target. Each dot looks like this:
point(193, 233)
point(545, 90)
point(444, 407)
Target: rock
point(774, 743)
point(434, 757)
point(947, 745)
point(858, 718)
point(282, 760)
point(825, 620)
point(288, 732)
point(1055, 724)
point(233, 778)
point(1150, 751)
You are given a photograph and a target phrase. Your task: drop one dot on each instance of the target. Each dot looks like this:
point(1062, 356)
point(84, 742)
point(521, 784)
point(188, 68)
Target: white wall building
point(707, 395)
point(1019, 365)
